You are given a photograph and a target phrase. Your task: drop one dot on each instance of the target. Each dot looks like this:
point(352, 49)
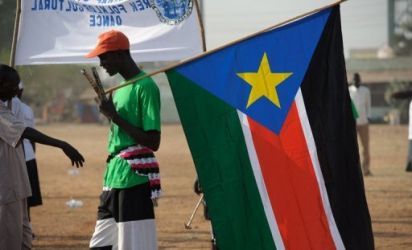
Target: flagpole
point(202, 27)
point(15, 33)
point(224, 46)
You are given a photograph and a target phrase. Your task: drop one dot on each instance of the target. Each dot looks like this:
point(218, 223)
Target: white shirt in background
point(24, 113)
point(361, 98)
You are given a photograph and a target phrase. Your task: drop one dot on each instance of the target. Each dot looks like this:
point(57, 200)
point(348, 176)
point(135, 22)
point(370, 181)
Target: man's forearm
point(72, 153)
point(149, 139)
point(36, 136)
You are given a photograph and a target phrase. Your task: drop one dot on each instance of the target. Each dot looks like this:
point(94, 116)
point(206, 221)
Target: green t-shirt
point(139, 104)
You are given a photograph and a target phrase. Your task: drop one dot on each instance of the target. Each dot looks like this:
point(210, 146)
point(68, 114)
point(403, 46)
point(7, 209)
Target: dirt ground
point(389, 190)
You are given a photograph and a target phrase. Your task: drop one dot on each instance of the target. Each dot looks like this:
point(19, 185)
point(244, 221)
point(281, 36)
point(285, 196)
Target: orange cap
point(110, 41)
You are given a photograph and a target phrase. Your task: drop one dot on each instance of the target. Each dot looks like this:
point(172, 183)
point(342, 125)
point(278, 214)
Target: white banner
point(63, 31)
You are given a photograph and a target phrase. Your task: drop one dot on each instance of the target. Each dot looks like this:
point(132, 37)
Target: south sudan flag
point(272, 134)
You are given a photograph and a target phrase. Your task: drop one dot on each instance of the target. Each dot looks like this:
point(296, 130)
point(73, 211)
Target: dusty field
point(389, 190)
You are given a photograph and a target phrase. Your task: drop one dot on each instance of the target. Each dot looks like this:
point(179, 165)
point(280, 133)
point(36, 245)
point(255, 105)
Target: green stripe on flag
point(217, 144)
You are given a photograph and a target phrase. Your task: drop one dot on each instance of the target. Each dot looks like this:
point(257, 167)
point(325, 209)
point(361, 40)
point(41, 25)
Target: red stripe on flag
point(291, 184)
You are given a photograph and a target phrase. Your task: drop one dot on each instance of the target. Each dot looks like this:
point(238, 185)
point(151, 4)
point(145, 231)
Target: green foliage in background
point(402, 43)
point(47, 85)
point(7, 16)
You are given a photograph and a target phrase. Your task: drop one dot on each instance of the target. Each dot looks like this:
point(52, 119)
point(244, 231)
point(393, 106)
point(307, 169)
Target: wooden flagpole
point(202, 27)
point(15, 33)
point(226, 45)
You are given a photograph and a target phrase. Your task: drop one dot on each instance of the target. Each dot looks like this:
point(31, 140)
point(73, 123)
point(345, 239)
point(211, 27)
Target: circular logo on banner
point(172, 12)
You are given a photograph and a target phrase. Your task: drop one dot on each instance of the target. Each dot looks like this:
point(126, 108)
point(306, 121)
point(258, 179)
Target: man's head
point(9, 82)
point(112, 49)
point(356, 79)
point(20, 92)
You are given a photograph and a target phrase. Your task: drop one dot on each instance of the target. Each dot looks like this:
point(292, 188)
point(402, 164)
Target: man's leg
point(105, 232)
point(27, 231)
point(409, 159)
point(137, 235)
point(363, 131)
point(135, 220)
point(105, 235)
point(14, 228)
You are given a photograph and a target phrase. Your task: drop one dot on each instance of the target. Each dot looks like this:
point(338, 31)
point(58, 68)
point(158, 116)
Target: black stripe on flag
point(327, 102)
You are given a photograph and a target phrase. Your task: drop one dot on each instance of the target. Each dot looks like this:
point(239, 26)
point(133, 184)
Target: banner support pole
point(226, 45)
point(15, 33)
point(201, 24)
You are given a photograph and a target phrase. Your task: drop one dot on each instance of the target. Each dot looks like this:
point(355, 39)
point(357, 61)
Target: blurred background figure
point(361, 98)
point(24, 113)
point(407, 94)
point(409, 159)
point(198, 190)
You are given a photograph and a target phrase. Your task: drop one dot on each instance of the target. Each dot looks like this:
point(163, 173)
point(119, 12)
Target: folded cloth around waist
point(143, 162)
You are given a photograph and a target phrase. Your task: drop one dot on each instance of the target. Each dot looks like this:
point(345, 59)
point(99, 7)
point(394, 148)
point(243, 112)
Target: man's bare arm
point(36, 136)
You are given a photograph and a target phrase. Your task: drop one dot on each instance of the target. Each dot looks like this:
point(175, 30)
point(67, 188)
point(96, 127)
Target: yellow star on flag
point(264, 82)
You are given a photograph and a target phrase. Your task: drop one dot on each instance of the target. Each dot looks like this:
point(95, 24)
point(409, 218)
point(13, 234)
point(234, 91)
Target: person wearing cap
point(131, 183)
point(15, 230)
point(25, 114)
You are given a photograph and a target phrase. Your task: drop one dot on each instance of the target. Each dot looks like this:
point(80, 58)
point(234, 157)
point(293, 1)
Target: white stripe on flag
point(270, 216)
point(307, 131)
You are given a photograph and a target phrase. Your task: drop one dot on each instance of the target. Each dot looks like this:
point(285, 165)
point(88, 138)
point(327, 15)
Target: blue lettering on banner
point(47, 5)
point(74, 7)
point(70, 6)
point(108, 1)
point(139, 5)
point(117, 9)
point(122, 8)
point(105, 20)
point(146, 4)
point(101, 10)
point(100, 15)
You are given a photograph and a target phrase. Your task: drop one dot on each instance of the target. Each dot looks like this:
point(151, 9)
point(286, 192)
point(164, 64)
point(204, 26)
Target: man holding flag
point(131, 181)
